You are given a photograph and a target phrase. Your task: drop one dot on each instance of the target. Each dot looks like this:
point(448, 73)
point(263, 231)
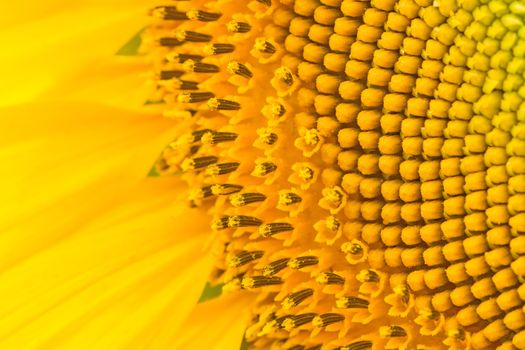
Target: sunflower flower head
point(363, 163)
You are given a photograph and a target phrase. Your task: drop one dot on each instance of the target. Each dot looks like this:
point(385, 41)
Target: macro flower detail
point(363, 163)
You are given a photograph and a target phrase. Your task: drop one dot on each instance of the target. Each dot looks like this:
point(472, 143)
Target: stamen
point(277, 110)
point(429, 314)
point(332, 223)
point(311, 137)
point(264, 169)
point(220, 224)
point(289, 198)
point(265, 2)
point(170, 74)
point(170, 41)
point(169, 13)
point(198, 134)
point(185, 84)
point(298, 320)
point(222, 168)
point(188, 35)
point(262, 45)
point(268, 230)
point(182, 57)
point(260, 281)
point(267, 136)
point(238, 27)
point(296, 298)
point(275, 266)
point(200, 67)
point(392, 331)
point(221, 104)
point(218, 137)
point(194, 97)
point(200, 193)
point(198, 163)
point(327, 319)
point(329, 278)
point(245, 257)
point(351, 303)
point(225, 189)
point(285, 75)
point(402, 291)
point(367, 276)
point(243, 221)
point(296, 347)
point(203, 16)
point(333, 196)
point(351, 248)
point(303, 261)
point(359, 345)
point(243, 199)
point(218, 49)
point(235, 67)
point(306, 173)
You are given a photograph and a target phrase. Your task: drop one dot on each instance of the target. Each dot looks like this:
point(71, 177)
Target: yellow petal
point(103, 284)
point(119, 81)
point(51, 150)
point(36, 54)
point(217, 324)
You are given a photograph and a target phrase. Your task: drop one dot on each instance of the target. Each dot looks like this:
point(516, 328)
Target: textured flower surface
point(356, 170)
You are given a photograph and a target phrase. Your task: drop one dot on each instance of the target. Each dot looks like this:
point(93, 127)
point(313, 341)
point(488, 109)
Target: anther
point(298, 320)
point(392, 331)
point(185, 84)
point(262, 45)
point(267, 136)
point(168, 13)
point(277, 110)
point(194, 97)
point(221, 168)
point(220, 224)
point(351, 248)
point(351, 303)
point(238, 27)
point(221, 104)
point(218, 49)
point(242, 199)
point(260, 281)
point(263, 169)
point(332, 223)
point(225, 189)
point(265, 2)
point(289, 198)
point(182, 57)
point(285, 75)
point(203, 16)
point(218, 137)
point(296, 298)
point(327, 319)
point(169, 41)
point(275, 266)
point(235, 67)
point(245, 257)
point(358, 345)
point(188, 35)
point(200, 67)
point(243, 221)
point(198, 162)
point(302, 261)
point(329, 278)
point(199, 194)
point(268, 230)
point(306, 173)
point(170, 74)
point(367, 276)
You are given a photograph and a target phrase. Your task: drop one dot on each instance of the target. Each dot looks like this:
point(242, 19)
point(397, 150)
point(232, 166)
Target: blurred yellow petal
point(116, 81)
point(109, 280)
point(36, 54)
point(50, 150)
point(217, 324)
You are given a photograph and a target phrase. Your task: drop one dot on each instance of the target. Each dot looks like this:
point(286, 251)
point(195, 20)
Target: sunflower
point(334, 174)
